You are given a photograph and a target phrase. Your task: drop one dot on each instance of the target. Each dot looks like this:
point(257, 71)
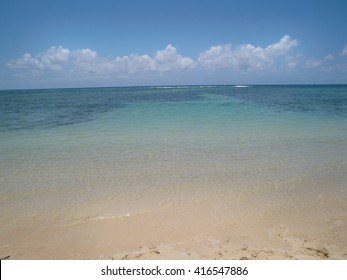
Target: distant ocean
point(73, 155)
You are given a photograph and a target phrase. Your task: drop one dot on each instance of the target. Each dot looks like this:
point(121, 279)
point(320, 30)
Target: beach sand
point(214, 226)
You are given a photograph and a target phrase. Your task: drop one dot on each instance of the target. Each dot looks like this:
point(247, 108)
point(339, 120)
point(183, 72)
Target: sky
point(71, 43)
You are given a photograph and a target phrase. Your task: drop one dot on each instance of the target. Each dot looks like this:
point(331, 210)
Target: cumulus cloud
point(163, 61)
point(245, 57)
point(87, 62)
point(85, 59)
point(217, 57)
point(281, 47)
point(52, 59)
point(169, 59)
point(85, 54)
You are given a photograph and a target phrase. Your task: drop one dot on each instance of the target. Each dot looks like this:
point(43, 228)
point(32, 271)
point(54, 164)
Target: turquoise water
point(148, 147)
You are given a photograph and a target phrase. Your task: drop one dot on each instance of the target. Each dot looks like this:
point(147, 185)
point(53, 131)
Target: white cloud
point(126, 65)
point(52, 59)
point(88, 63)
point(87, 60)
point(217, 57)
point(249, 57)
point(163, 61)
point(168, 59)
point(245, 57)
point(281, 47)
point(55, 54)
point(85, 54)
point(344, 51)
point(84, 59)
point(25, 61)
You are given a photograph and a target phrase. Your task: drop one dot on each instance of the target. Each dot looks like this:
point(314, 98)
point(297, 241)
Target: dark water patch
point(27, 109)
point(317, 99)
point(49, 108)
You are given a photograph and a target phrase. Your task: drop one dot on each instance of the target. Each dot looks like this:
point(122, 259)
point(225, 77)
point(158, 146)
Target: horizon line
point(180, 85)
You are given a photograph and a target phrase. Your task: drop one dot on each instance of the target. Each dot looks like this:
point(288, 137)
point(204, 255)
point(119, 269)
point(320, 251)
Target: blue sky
point(70, 43)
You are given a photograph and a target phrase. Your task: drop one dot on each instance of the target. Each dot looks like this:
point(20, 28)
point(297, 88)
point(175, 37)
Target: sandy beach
point(212, 228)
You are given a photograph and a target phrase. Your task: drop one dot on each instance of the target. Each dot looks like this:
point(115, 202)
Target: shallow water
point(76, 156)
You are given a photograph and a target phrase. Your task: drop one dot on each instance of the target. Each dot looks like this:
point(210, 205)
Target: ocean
point(94, 172)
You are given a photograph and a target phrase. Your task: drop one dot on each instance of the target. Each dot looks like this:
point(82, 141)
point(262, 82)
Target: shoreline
point(177, 232)
point(203, 248)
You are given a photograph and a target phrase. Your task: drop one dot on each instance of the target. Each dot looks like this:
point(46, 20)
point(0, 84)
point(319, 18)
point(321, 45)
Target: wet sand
point(213, 227)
